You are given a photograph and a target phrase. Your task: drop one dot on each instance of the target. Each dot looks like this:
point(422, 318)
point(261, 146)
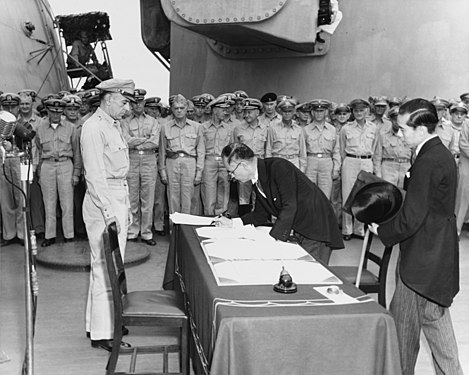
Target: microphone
point(7, 125)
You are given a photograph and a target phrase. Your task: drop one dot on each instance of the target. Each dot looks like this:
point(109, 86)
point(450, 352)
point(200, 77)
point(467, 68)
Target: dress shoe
point(107, 344)
point(14, 240)
point(48, 242)
point(69, 239)
point(133, 239)
point(359, 236)
point(40, 236)
point(149, 242)
point(125, 332)
point(347, 237)
point(160, 232)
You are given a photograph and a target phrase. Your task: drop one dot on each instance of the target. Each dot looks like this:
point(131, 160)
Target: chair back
point(381, 261)
point(115, 268)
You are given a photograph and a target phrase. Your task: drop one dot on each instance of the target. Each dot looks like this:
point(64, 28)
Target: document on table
point(178, 218)
point(267, 272)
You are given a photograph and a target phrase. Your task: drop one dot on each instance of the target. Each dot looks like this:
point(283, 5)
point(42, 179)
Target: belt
point(175, 155)
point(320, 155)
point(116, 181)
point(285, 156)
point(216, 157)
point(62, 158)
point(144, 152)
point(397, 160)
point(358, 156)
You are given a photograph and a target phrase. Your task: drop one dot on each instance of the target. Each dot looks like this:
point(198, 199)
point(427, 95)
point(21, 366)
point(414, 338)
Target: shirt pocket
point(353, 140)
point(117, 153)
point(173, 142)
point(328, 141)
point(368, 139)
point(64, 143)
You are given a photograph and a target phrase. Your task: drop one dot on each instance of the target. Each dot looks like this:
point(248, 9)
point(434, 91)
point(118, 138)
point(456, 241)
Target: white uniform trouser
point(215, 186)
point(142, 179)
point(394, 172)
point(11, 200)
point(181, 175)
point(56, 182)
point(99, 311)
point(350, 169)
point(319, 170)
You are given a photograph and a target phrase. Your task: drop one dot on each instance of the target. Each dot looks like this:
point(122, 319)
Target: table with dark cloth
point(251, 329)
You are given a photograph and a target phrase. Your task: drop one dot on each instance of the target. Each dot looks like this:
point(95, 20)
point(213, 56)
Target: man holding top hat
point(425, 228)
point(106, 163)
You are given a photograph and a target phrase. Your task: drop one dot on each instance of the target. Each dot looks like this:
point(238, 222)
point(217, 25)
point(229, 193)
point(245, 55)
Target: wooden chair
point(142, 308)
point(369, 282)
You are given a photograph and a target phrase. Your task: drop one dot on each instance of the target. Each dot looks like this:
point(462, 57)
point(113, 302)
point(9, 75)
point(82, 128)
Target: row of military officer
point(310, 135)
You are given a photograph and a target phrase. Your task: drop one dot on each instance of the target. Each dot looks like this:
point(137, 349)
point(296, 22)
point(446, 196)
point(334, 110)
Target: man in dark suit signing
point(425, 228)
point(283, 191)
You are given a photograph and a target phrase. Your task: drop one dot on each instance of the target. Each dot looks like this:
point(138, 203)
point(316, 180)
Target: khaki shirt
point(188, 139)
point(269, 121)
point(357, 140)
point(447, 135)
point(323, 139)
point(216, 137)
point(142, 132)
point(284, 141)
point(389, 146)
point(105, 157)
point(58, 143)
point(253, 136)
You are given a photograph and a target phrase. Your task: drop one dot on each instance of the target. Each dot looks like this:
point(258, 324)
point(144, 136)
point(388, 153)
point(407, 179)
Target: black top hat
point(376, 202)
point(372, 199)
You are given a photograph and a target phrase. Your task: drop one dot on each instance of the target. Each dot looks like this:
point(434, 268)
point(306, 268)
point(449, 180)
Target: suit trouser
point(11, 200)
point(317, 249)
point(160, 203)
point(215, 186)
point(462, 194)
point(56, 182)
point(36, 202)
point(142, 179)
point(79, 191)
point(350, 169)
point(99, 311)
point(413, 313)
point(319, 170)
point(181, 175)
point(394, 172)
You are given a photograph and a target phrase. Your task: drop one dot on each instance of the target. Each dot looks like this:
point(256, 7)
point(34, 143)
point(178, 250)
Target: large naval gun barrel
point(386, 47)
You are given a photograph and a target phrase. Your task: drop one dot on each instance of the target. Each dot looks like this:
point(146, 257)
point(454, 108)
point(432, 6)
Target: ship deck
point(60, 345)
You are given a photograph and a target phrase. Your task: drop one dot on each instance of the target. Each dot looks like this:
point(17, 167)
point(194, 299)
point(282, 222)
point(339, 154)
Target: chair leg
point(114, 356)
point(184, 358)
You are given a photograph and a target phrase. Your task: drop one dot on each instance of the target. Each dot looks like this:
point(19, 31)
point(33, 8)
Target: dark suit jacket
point(297, 203)
point(425, 227)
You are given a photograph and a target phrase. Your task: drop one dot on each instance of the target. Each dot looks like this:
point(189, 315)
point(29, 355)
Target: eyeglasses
point(231, 173)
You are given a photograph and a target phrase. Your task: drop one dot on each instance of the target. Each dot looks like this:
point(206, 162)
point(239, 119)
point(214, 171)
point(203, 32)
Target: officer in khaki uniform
point(106, 163)
point(380, 105)
point(285, 137)
point(392, 155)
point(181, 157)
point(269, 105)
point(253, 133)
point(240, 95)
point(58, 169)
point(30, 120)
point(11, 198)
point(357, 145)
point(443, 128)
point(217, 134)
point(303, 112)
point(73, 104)
point(142, 134)
point(322, 146)
point(153, 108)
point(458, 113)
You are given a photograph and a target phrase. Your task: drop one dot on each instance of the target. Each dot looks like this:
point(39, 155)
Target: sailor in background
point(181, 157)
point(59, 168)
point(106, 164)
point(269, 105)
point(142, 134)
point(11, 199)
point(322, 146)
point(357, 144)
point(153, 108)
